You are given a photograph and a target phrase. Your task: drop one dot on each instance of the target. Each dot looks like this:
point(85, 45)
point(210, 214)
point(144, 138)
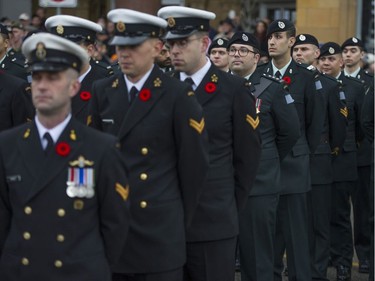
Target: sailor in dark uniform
point(279, 128)
point(232, 126)
point(9, 64)
point(83, 32)
point(353, 52)
point(63, 190)
point(306, 50)
point(345, 172)
point(291, 223)
point(163, 138)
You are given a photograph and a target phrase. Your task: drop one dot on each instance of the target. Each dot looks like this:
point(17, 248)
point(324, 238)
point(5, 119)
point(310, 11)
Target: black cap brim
point(127, 41)
point(48, 67)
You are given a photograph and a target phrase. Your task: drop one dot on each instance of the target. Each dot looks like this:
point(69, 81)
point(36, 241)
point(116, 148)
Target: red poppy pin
point(63, 149)
point(144, 95)
point(85, 96)
point(210, 87)
point(287, 80)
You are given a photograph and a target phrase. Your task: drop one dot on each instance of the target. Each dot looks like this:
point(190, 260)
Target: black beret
point(330, 48)
point(218, 43)
point(280, 26)
point(353, 41)
point(244, 38)
point(306, 39)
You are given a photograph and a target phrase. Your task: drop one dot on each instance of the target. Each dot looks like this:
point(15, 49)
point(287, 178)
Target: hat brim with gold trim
point(184, 21)
point(51, 53)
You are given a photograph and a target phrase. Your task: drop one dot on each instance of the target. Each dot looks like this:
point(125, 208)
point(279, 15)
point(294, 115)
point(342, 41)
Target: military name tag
point(80, 181)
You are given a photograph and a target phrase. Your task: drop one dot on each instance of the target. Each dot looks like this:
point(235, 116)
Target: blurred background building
point(329, 20)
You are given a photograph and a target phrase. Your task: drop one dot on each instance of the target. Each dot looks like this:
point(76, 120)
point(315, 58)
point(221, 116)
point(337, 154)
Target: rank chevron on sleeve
point(123, 191)
point(344, 111)
point(253, 122)
point(198, 126)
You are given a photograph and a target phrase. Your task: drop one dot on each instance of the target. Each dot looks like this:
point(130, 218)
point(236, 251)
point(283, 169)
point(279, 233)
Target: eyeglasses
point(242, 52)
point(181, 44)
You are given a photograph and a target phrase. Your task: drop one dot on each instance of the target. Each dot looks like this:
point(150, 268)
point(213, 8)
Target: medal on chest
point(80, 182)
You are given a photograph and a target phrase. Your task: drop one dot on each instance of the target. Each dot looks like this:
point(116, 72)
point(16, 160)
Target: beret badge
point(220, 42)
point(302, 37)
point(355, 40)
point(245, 38)
point(331, 50)
point(281, 24)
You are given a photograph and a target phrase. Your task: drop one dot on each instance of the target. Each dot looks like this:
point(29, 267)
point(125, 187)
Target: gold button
point(28, 210)
point(144, 150)
point(26, 235)
point(143, 176)
point(143, 204)
point(61, 212)
point(60, 238)
point(58, 263)
point(25, 261)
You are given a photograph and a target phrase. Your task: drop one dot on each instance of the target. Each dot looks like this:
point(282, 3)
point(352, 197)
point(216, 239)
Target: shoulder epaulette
point(262, 65)
point(18, 62)
point(355, 79)
point(272, 78)
point(307, 67)
point(330, 77)
point(368, 74)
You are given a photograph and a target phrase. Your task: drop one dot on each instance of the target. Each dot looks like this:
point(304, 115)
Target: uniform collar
point(55, 132)
point(198, 76)
point(353, 74)
point(281, 70)
point(140, 83)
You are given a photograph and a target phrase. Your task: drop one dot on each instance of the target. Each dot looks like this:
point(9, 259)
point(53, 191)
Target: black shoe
point(364, 266)
point(343, 273)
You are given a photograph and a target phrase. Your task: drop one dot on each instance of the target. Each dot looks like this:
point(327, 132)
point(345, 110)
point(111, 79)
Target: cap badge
point(171, 22)
point(60, 29)
point(302, 37)
point(120, 26)
point(355, 40)
point(220, 42)
point(281, 24)
point(245, 38)
point(331, 50)
point(40, 51)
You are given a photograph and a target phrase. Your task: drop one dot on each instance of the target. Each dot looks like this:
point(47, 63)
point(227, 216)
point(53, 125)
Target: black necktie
point(50, 143)
point(190, 81)
point(278, 75)
point(132, 94)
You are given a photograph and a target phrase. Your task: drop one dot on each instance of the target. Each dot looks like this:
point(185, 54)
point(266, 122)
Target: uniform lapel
point(52, 165)
point(291, 72)
point(140, 107)
point(211, 79)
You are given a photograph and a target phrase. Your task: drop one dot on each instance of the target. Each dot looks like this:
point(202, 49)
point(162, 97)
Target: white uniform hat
point(48, 52)
point(73, 28)
point(184, 21)
point(132, 27)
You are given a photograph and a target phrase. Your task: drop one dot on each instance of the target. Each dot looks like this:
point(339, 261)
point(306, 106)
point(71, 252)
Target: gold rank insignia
point(73, 135)
point(344, 111)
point(335, 151)
point(89, 120)
point(26, 134)
point(214, 78)
point(157, 82)
point(253, 122)
point(123, 191)
point(190, 93)
point(115, 83)
point(198, 126)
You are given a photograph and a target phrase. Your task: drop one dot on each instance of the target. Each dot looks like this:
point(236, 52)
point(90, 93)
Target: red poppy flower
point(144, 94)
point(63, 149)
point(85, 96)
point(210, 87)
point(287, 80)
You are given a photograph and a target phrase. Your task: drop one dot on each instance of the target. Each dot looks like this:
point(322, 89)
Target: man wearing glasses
point(279, 129)
point(234, 151)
